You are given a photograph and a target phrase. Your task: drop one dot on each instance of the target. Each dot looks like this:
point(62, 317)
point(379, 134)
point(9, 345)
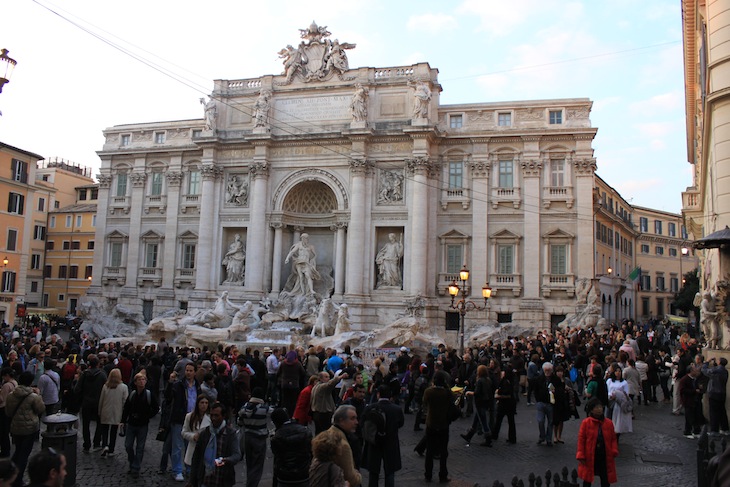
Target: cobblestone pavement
point(656, 454)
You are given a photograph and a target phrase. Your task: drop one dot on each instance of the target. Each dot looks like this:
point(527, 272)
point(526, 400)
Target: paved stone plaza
point(656, 454)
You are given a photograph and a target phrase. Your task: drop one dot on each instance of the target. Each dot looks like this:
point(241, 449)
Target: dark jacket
point(389, 452)
point(483, 393)
point(231, 453)
point(291, 375)
point(716, 388)
point(140, 408)
point(292, 448)
point(177, 395)
point(436, 400)
point(89, 387)
point(542, 385)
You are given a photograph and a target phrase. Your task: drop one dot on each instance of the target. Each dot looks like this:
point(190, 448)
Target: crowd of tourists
point(335, 413)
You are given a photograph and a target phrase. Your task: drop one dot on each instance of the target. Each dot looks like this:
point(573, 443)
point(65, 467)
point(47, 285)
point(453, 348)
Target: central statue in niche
point(304, 264)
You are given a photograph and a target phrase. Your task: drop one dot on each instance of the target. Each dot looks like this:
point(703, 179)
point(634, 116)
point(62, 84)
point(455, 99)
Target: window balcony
point(151, 275)
point(119, 204)
point(184, 276)
point(114, 275)
point(506, 195)
point(507, 282)
point(190, 202)
point(445, 279)
point(455, 195)
point(557, 193)
point(558, 282)
point(157, 202)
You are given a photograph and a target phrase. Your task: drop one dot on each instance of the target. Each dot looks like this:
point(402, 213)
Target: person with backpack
point(381, 421)
point(140, 407)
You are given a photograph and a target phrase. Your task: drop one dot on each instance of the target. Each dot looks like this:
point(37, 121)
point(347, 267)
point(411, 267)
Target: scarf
point(211, 447)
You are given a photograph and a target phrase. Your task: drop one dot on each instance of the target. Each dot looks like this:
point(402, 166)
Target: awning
point(677, 320)
point(45, 311)
point(715, 240)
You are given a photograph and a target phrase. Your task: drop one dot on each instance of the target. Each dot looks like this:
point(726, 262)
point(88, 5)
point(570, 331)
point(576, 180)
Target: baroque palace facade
point(367, 163)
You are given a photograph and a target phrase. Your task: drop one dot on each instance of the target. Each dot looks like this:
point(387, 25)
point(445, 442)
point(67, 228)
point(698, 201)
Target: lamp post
point(7, 64)
point(5, 261)
point(684, 251)
point(463, 305)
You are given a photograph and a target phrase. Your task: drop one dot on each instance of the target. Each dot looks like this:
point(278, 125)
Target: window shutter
point(21, 200)
point(12, 282)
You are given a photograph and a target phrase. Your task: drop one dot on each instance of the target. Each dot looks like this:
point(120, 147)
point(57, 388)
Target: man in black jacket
point(217, 452)
point(292, 448)
point(388, 451)
point(141, 405)
point(545, 386)
point(89, 388)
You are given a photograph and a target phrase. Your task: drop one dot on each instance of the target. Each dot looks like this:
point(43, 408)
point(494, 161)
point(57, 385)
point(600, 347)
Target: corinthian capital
point(259, 169)
point(105, 181)
point(584, 167)
point(420, 165)
point(210, 172)
point(531, 167)
point(138, 179)
point(174, 178)
point(360, 166)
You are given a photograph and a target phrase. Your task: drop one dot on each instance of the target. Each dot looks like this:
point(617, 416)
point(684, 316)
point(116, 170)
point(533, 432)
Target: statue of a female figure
point(422, 97)
point(388, 261)
point(234, 260)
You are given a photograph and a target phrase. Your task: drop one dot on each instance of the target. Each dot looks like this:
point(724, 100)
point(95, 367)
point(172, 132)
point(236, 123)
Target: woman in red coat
point(302, 411)
point(597, 447)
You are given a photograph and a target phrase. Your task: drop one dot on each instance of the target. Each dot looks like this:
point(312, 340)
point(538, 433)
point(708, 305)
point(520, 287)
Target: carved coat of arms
point(316, 58)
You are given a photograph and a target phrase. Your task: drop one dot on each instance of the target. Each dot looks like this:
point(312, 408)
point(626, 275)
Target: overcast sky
point(625, 55)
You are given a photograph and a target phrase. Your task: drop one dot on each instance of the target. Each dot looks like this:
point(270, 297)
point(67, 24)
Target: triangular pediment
point(558, 233)
point(505, 234)
point(152, 235)
point(452, 234)
point(116, 234)
point(188, 235)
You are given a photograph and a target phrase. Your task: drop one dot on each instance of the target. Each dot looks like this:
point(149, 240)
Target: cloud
point(432, 23)
point(662, 103)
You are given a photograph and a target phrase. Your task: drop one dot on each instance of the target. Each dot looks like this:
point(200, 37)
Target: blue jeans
point(545, 415)
point(480, 422)
point(178, 448)
point(135, 455)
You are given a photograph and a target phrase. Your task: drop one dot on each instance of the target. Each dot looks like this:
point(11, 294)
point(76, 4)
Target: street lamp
point(464, 305)
point(7, 64)
point(684, 253)
point(5, 261)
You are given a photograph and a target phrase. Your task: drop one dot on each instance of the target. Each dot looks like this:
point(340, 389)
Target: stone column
point(359, 168)
point(256, 235)
point(171, 262)
point(479, 266)
point(584, 169)
point(276, 260)
point(419, 168)
point(205, 264)
point(531, 171)
point(339, 229)
point(101, 254)
point(136, 204)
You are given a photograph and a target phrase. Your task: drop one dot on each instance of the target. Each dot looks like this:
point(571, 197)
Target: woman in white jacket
point(111, 404)
point(195, 422)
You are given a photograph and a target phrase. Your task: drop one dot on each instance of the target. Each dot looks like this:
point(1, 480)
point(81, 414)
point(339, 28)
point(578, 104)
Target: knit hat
point(291, 357)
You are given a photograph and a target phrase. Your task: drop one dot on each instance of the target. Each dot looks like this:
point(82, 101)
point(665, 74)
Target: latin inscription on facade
point(315, 109)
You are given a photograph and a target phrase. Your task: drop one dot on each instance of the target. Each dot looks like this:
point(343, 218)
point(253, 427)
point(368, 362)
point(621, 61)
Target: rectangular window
point(124, 140)
point(90, 245)
point(644, 248)
point(618, 241)
point(115, 254)
point(93, 220)
point(16, 203)
point(20, 170)
point(559, 259)
point(504, 317)
point(41, 204)
point(12, 240)
point(82, 194)
point(660, 306)
point(643, 224)
point(121, 185)
point(504, 119)
point(660, 283)
point(48, 271)
point(197, 133)
point(645, 282)
point(672, 229)
point(557, 172)
point(150, 259)
point(456, 170)
point(159, 137)
point(62, 297)
point(50, 245)
point(194, 182)
point(76, 245)
point(684, 233)
point(39, 232)
point(658, 227)
point(94, 194)
point(89, 271)
point(156, 184)
point(8, 282)
point(454, 258)
point(674, 284)
point(79, 221)
point(56, 204)
point(69, 221)
point(645, 307)
point(45, 300)
point(188, 261)
point(456, 121)
point(506, 262)
point(672, 252)
point(66, 245)
point(52, 221)
point(62, 272)
point(73, 272)
point(659, 250)
point(556, 117)
point(34, 286)
point(505, 174)
point(35, 261)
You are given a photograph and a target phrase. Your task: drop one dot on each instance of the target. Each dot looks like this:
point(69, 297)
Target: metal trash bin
point(62, 435)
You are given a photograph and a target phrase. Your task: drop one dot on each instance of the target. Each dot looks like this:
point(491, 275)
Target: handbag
point(162, 434)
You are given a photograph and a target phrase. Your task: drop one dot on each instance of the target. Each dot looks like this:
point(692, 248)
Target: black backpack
point(373, 427)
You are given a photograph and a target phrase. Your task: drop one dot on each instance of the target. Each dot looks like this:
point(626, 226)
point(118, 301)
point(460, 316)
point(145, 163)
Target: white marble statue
point(422, 98)
point(211, 113)
point(391, 187)
point(261, 109)
point(359, 104)
point(325, 312)
point(388, 261)
point(234, 261)
point(337, 57)
point(343, 320)
point(294, 60)
point(304, 264)
point(708, 320)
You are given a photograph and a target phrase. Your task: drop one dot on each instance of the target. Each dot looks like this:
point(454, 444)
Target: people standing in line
point(291, 445)
point(597, 447)
point(336, 449)
point(195, 422)
point(387, 452)
point(716, 392)
point(254, 417)
point(322, 402)
point(114, 395)
point(182, 395)
point(25, 407)
point(49, 386)
point(89, 387)
point(482, 395)
point(9, 384)
point(217, 451)
point(140, 407)
point(437, 400)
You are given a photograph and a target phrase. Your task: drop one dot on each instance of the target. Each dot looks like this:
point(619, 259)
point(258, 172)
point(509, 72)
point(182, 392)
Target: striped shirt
point(254, 416)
